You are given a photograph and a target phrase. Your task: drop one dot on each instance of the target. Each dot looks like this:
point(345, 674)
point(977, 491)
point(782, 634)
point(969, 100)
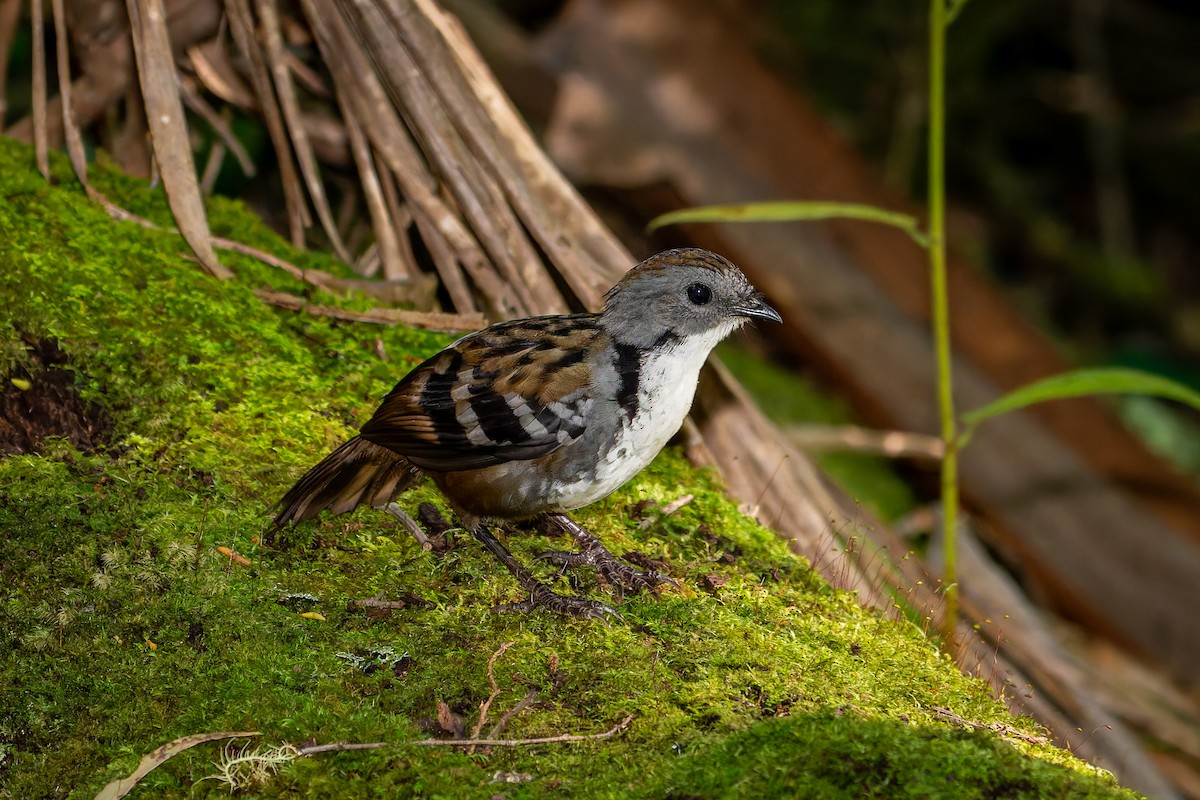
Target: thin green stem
point(941, 304)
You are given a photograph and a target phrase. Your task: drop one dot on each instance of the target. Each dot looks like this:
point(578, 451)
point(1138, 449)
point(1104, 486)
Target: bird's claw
point(563, 605)
point(622, 577)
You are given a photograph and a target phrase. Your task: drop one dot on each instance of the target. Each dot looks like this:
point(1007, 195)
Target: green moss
point(126, 623)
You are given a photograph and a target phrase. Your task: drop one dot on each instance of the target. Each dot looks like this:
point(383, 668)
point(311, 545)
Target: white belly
point(666, 389)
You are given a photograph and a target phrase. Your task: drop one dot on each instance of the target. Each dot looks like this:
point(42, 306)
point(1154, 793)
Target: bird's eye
point(699, 293)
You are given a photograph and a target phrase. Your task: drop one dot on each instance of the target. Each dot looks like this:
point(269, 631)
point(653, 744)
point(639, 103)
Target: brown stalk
point(71, 130)
point(400, 218)
point(584, 252)
point(381, 223)
point(212, 167)
point(41, 146)
point(436, 221)
point(289, 103)
point(241, 25)
point(10, 14)
point(457, 168)
point(214, 69)
point(199, 106)
point(468, 178)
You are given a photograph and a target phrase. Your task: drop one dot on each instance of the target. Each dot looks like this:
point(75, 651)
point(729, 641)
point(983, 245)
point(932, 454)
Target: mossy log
point(138, 604)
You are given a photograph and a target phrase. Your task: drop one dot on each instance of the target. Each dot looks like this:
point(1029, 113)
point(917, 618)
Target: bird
point(536, 417)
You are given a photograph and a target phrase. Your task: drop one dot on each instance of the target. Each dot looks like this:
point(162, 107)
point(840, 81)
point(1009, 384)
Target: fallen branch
point(419, 290)
point(373, 602)
point(427, 320)
point(890, 444)
point(338, 747)
point(120, 787)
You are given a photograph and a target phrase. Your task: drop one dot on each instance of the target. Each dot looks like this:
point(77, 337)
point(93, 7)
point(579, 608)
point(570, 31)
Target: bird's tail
point(357, 472)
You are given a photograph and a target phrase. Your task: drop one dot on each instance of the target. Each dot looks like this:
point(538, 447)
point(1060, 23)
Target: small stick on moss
point(1005, 731)
point(410, 525)
point(566, 737)
point(676, 504)
point(375, 602)
point(338, 747)
point(667, 510)
point(486, 704)
point(521, 705)
point(431, 320)
point(315, 277)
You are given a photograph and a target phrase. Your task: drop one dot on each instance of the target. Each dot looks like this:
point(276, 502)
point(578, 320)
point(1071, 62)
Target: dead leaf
point(168, 128)
point(233, 555)
point(214, 67)
point(450, 722)
point(152, 760)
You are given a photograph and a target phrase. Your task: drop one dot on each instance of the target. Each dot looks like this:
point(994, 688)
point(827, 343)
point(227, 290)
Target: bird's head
point(679, 294)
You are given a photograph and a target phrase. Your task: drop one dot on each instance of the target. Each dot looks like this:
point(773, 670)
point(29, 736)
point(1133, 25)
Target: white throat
point(666, 387)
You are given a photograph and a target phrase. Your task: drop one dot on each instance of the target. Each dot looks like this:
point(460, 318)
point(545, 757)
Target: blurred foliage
point(1052, 112)
point(1019, 109)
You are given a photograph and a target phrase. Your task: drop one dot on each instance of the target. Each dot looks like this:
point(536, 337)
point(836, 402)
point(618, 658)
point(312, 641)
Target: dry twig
point(486, 704)
point(1004, 731)
point(891, 444)
point(426, 320)
point(374, 602)
point(566, 737)
point(521, 705)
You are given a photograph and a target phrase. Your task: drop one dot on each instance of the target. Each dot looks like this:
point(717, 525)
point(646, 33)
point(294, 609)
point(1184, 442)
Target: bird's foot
point(622, 577)
point(541, 596)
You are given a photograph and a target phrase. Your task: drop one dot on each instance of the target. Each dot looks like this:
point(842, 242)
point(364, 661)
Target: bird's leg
point(592, 553)
point(540, 595)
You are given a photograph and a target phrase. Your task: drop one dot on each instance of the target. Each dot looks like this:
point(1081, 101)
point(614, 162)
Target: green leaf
point(792, 211)
point(1079, 383)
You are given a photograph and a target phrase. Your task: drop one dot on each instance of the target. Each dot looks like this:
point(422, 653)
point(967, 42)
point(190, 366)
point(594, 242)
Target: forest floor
point(139, 604)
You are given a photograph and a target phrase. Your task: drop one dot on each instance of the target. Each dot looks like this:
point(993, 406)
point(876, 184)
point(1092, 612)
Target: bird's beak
point(757, 308)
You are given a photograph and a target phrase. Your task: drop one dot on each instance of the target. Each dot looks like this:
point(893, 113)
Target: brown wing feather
point(513, 392)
